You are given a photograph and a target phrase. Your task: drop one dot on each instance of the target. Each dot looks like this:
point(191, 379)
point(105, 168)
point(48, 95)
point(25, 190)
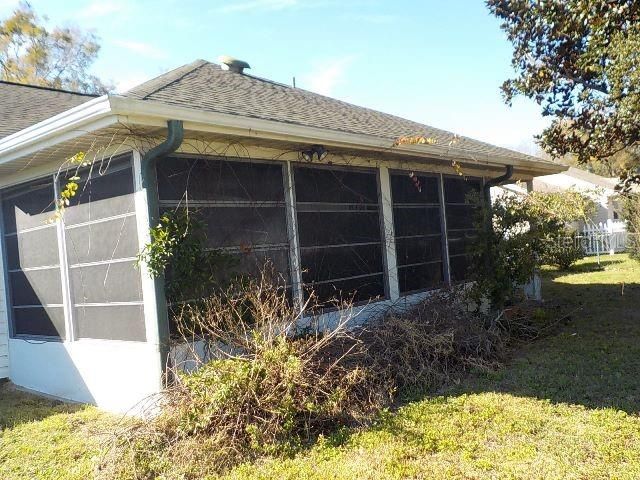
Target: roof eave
point(72, 123)
point(146, 112)
point(112, 109)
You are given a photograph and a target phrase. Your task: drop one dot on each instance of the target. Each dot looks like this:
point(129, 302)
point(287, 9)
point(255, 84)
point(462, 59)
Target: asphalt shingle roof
point(24, 105)
point(206, 86)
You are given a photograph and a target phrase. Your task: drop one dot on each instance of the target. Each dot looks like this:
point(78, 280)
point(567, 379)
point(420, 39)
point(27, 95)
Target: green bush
point(268, 386)
point(524, 230)
point(563, 251)
point(262, 388)
point(631, 213)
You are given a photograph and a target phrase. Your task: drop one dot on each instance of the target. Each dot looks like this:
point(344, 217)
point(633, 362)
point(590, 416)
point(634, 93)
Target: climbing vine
point(178, 250)
point(72, 186)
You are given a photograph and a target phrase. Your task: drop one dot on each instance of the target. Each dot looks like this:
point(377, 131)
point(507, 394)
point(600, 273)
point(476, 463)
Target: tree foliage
point(59, 57)
point(579, 60)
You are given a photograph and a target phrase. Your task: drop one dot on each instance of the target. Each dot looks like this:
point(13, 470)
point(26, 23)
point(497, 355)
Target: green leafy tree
point(59, 57)
point(579, 60)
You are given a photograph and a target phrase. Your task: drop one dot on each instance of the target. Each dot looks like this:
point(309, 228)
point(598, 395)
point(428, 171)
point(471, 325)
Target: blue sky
point(439, 63)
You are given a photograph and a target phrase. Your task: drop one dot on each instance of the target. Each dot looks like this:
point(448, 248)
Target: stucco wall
point(117, 376)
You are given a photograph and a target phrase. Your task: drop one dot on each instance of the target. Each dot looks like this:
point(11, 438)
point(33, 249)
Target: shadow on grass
point(18, 407)
point(587, 267)
point(592, 361)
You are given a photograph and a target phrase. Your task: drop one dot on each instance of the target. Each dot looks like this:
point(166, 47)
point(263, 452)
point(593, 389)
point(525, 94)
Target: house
point(322, 188)
point(605, 231)
point(602, 189)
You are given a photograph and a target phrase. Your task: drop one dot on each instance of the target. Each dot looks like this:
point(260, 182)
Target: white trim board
point(109, 110)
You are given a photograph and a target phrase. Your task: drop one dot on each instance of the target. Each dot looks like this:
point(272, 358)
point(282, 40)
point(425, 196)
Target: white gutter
point(145, 112)
point(111, 109)
point(72, 123)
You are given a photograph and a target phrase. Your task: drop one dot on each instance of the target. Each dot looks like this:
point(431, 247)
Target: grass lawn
point(565, 407)
point(44, 439)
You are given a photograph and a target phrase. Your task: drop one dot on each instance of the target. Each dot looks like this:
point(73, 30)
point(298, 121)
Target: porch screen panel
point(102, 245)
point(418, 231)
point(461, 216)
point(33, 265)
point(339, 232)
point(241, 203)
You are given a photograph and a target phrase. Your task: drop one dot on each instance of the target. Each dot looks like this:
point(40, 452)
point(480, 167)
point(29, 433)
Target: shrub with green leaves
point(264, 386)
point(178, 250)
point(267, 385)
point(525, 230)
point(631, 213)
point(563, 250)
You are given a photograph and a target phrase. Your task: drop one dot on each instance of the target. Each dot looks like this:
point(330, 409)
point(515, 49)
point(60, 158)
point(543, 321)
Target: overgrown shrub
point(266, 386)
point(631, 213)
point(563, 251)
point(262, 387)
point(432, 342)
point(525, 229)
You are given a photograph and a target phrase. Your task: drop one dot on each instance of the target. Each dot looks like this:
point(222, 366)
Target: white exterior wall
point(117, 376)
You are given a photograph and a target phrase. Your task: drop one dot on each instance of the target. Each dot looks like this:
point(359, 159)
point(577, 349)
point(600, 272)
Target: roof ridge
point(194, 66)
point(52, 89)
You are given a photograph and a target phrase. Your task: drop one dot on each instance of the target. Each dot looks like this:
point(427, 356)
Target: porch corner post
point(389, 235)
point(149, 182)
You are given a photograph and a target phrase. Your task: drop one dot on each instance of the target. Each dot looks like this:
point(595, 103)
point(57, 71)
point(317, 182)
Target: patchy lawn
point(44, 439)
point(566, 407)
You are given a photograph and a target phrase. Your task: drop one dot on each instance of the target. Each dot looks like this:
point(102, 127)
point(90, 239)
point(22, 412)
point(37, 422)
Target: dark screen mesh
point(32, 255)
point(339, 233)
point(241, 204)
point(417, 226)
point(461, 217)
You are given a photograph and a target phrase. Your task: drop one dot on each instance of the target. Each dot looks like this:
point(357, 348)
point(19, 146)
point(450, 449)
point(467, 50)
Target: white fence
point(609, 237)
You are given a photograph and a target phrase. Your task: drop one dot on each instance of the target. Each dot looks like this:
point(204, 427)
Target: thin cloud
point(258, 5)
point(127, 83)
point(8, 4)
point(327, 75)
point(273, 5)
point(102, 9)
point(376, 19)
point(141, 48)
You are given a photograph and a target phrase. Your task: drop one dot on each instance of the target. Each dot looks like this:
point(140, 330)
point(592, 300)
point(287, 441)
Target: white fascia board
point(72, 123)
point(146, 112)
point(111, 109)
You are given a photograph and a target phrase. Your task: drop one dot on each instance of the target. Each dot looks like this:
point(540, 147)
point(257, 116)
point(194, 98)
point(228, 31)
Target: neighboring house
point(314, 184)
point(605, 231)
point(602, 190)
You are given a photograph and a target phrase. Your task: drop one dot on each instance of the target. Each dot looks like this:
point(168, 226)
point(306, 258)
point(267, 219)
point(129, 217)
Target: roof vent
point(233, 64)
